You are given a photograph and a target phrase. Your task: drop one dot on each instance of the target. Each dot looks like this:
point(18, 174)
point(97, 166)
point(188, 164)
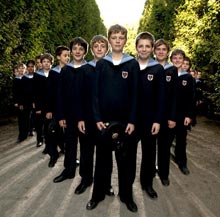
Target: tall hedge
point(30, 27)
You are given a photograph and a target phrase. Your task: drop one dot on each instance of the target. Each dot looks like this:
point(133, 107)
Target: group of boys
point(151, 98)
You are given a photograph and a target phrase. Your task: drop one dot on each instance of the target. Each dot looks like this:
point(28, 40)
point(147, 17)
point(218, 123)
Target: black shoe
point(110, 191)
point(45, 151)
point(184, 170)
point(63, 176)
point(52, 161)
point(81, 188)
point(18, 141)
point(39, 144)
point(92, 204)
point(61, 152)
point(151, 192)
point(175, 160)
point(165, 182)
point(131, 205)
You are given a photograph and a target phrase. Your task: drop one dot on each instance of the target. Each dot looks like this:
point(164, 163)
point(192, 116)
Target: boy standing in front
point(40, 99)
point(17, 96)
point(27, 96)
point(151, 108)
point(68, 101)
point(57, 138)
point(161, 52)
point(184, 110)
point(86, 125)
point(115, 99)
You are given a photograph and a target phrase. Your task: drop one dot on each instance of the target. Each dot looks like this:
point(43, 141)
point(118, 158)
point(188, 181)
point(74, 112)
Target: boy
point(115, 99)
point(161, 52)
point(68, 101)
point(86, 125)
point(55, 138)
point(184, 110)
point(17, 95)
point(151, 110)
point(27, 96)
point(40, 99)
point(38, 62)
point(187, 64)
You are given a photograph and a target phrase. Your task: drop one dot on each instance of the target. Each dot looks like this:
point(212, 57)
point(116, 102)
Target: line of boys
point(152, 98)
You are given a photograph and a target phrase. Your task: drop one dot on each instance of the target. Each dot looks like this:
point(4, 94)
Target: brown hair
point(176, 52)
point(116, 29)
point(145, 35)
point(160, 42)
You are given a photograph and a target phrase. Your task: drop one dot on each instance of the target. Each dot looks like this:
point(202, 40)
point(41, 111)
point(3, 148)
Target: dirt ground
point(27, 190)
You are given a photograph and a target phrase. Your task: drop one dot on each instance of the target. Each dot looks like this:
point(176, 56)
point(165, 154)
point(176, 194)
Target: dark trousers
point(148, 167)
point(126, 164)
point(164, 142)
point(180, 147)
point(39, 121)
point(32, 121)
point(23, 123)
point(53, 138)
point(71, 141)
point(87, 146)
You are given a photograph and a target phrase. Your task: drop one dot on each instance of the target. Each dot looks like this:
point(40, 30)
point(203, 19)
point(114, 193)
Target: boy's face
point(21, 70)
point(78, 52)
point(161, 52)
point(177, 60)
point(16, 71)
point(117, 41)
point(144, 49)
point(99, 50)
point(30, 68)
point(39, 64)
point(64, 57)
point(186, 65)
point(46, 64)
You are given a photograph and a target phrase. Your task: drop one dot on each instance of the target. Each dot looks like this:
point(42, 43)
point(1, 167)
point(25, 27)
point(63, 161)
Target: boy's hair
point(30, 62)
point(160, 42)
point(38, 57)
point(47, 56)
point(116, 29)
point(15, 69)
point(99, 38)
point(80, 41)
point(145, 35)
point(188, 60)
point(21, 65)
point(177, 52)
point(60, 49)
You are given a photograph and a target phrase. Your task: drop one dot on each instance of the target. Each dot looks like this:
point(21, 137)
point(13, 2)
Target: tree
point(29, 28)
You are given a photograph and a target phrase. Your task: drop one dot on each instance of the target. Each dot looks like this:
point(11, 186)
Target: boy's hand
point(21, 107)
point(49, 115)
point(155, 128)
point(187, 121)
point(129, 129)
point(62, 123)
point(171, 124)
point(81, 126)
point(100, 125)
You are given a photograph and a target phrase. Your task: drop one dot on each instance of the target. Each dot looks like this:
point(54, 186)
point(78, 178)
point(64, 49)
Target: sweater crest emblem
point(168, 78)
point(184, 82)
point(150, 77)
point(124, 74)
